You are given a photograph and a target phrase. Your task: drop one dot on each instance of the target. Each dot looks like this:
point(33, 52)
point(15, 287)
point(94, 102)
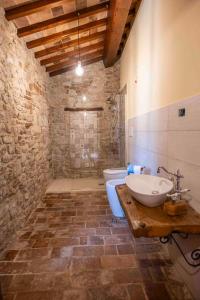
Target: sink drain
point(155, 192)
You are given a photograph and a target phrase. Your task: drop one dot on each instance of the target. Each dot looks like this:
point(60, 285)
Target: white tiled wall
point(162, 138)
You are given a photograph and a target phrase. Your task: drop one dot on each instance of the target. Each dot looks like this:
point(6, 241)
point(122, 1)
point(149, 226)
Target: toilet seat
point(119, 173)
point(115, 171)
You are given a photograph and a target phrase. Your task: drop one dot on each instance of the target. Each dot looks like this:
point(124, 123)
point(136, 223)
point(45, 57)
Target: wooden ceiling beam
point(72, 43)
point(27, 8)
point(73, 60)
point(63, 34)
point(69, 68)
point(117, 17)
point(63, 19)
point(57, 58)
point(129, 26)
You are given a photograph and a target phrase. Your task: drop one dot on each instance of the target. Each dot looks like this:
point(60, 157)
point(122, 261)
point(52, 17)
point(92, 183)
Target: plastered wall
point(160, 63)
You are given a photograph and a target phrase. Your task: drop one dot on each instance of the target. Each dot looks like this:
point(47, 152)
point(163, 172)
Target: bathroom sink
point(147, 189)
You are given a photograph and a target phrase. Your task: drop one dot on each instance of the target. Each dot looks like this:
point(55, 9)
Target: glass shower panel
point(84, 146)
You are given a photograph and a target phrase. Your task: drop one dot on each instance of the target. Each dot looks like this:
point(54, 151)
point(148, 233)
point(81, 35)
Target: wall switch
point(181, 112)
point(130, 131)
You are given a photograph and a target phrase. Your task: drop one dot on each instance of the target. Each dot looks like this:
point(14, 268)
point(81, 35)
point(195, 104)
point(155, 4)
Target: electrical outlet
point(181, 112)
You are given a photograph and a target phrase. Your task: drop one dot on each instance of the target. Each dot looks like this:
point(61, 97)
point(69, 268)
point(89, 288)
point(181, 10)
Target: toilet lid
point(115, 171)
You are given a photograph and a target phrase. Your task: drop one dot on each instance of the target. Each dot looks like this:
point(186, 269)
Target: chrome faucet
point(176, 178)
point(176, 175)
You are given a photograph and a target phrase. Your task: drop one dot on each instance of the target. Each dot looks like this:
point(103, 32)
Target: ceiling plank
point(73, 60)
point(118, 13)
point(57, 58)
point(63, 19)
point(27, 8)
point(129, 26)
point(72, 43)
point(69, 68)
point(59, 35)
point(80, 4)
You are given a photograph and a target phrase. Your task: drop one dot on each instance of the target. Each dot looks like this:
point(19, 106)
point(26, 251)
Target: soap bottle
point(130, 168)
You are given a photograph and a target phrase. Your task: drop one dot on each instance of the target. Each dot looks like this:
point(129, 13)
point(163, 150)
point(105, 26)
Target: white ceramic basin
point(149, 190)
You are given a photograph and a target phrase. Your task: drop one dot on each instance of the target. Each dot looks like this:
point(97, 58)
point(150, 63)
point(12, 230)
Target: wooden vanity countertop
point(153, 221)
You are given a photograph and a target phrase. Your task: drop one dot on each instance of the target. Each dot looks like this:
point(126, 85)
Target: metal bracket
point(194, 255)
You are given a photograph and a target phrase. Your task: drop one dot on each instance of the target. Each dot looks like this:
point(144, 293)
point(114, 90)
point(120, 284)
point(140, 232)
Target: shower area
point(87, 122)
point(85, 142)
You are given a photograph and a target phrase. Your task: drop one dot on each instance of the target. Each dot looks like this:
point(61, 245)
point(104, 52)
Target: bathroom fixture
point(147, 189)
point(116, 173)
point(113, 198)
point(138, 169)
point(177, 195)
point(154, 222)
point(79, 69)
point(176, 178)
point(176, 175)
point(134, 169)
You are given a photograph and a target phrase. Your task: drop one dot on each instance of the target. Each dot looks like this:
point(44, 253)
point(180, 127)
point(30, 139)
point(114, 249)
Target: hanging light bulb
point(79, 69)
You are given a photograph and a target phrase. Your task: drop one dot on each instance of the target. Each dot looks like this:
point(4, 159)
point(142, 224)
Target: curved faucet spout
point(176, 175)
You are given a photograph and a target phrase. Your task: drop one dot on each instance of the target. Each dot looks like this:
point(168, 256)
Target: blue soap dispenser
point(130, 169)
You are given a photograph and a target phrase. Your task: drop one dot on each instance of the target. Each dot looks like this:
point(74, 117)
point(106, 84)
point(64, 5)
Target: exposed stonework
point(79, 145)
point(83, 144)
point(24, 131)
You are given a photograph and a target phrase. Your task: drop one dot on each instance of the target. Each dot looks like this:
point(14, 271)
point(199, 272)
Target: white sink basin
point(149, 190)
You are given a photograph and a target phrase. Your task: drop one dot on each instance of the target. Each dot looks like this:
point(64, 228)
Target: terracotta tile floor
point(71, 249)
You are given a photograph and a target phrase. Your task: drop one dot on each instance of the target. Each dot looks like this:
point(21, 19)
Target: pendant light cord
point(78, 39)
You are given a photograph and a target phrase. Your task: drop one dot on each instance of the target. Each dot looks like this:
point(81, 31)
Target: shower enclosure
point(85, 141)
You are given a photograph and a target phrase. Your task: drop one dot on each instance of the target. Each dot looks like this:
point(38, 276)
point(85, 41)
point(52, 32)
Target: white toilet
point(112, 178)
point(118, 173)
point(113, 198)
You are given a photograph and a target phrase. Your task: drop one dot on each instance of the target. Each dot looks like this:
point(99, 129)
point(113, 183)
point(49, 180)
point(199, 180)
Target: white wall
point(162, 55)
point(161, 67)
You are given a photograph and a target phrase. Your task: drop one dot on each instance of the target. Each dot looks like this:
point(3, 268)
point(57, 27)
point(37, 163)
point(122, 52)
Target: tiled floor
point(71, 249)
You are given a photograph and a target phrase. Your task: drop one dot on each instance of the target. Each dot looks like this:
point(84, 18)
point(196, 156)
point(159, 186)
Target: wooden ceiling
point(50, 28)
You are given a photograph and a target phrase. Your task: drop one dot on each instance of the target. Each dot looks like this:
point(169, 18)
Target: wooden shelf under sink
point(153, 221)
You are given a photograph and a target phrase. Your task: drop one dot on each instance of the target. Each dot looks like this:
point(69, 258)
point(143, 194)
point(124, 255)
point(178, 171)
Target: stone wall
point(24, 131)
point(83, 144)
point(38, 140)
